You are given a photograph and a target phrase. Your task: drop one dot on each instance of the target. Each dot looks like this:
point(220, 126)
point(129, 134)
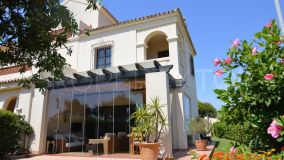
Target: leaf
point(268, 102)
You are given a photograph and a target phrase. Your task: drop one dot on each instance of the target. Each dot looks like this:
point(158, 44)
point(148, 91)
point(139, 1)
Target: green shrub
point(12, 126)
point(219, 129)
point(236, 132)
point(240, 133)
point(197, 126)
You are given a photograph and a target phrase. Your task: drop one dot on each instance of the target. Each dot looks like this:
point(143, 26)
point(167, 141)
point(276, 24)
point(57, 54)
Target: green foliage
point(28, 36)
point(242, 134)
point(206, 109)
point(249, 97)
point(12, 127)
point(219, 129)
point(197, 126)
point(149, 120)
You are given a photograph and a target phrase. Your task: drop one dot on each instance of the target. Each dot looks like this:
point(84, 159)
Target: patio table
point(101, 141)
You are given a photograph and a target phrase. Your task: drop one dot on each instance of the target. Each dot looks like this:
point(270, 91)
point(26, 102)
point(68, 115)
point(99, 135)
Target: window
point(191, 66)
point(186, 112)
point(103, 57)
point(162, 54)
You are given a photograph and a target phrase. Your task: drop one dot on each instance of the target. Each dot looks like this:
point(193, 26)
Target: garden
point(253, 114)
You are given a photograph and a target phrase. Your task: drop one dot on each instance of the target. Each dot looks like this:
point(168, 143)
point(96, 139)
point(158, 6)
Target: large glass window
point(95, 117)
point(103, 58)
point(186, 112)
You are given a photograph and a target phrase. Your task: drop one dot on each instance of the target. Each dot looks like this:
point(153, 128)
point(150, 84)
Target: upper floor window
point(191, 66)
point(103, 57)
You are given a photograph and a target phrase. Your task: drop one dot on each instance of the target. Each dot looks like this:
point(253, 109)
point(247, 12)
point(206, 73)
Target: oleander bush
point(253, 72)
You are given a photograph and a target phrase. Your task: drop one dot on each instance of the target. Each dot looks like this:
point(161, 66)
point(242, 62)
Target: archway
point(158, 46)
point(10, 104)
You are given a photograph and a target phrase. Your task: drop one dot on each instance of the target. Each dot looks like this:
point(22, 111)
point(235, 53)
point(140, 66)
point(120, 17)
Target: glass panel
point(186, 108)
point(101, 111)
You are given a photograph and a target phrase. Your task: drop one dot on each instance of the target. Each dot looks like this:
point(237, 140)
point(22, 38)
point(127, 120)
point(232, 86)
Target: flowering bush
point(276, 129)
point(254, 73)
point(244, 154)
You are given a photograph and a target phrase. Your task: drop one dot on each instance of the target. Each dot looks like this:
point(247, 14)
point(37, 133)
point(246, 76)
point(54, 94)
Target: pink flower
point(219, 72)
point(236, 43)
point(216, 61)
point(233, 150)
point(282, 60)
point(268, 77)
point(269, 25)
point(274, 129)
point(254, 51)
point(228, 60)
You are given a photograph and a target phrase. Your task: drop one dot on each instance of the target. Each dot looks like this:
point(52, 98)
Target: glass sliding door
point(94, 117)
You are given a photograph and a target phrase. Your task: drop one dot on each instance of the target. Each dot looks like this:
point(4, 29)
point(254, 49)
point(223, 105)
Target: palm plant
point(149, 121)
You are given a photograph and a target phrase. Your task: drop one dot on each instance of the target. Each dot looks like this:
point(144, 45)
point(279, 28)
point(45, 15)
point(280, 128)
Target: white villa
point(118, 66)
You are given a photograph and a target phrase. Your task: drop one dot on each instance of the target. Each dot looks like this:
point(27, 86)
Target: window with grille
point(103, 57)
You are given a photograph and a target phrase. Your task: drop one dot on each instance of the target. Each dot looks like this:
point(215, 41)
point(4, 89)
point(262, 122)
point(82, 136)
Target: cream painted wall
point(94, 18)
point(161, 90)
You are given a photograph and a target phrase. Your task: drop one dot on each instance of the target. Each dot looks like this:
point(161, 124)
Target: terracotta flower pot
point(201, 145)
point(149, 151)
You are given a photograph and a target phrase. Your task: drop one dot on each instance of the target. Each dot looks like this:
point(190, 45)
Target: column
point(174, 56)
point(157, 85)
point(38, 120)
point(141, 50)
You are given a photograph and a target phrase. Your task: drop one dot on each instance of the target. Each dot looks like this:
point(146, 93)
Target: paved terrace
point(179, 155)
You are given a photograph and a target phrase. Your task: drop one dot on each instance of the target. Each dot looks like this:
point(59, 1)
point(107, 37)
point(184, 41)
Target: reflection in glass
point(80, 115)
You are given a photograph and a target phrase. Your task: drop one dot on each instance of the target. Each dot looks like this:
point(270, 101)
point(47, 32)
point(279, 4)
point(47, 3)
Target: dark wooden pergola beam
point(66, 78)
point(78, 76)
point(139, 67)
point(157, 64)
point(122, 69)
point(106, 72)
point(92, 74)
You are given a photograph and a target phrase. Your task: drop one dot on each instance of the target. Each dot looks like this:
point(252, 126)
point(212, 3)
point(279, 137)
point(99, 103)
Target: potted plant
point(149, 125)
point(197, 128)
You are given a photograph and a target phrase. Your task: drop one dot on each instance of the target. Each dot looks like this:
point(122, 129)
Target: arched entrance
point(10, 104)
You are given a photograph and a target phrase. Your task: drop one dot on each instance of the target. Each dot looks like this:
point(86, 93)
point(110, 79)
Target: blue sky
point(212, 24)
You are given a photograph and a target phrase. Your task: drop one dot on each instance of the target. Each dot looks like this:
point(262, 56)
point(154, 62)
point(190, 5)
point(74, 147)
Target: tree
point(254, 73)
point(206, 109)
point(28, 37)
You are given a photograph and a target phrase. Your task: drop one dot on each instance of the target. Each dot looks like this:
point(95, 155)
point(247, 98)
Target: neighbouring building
point(118, 66)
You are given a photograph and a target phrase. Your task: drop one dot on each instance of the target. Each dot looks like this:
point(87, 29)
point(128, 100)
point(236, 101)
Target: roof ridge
point(177, 10)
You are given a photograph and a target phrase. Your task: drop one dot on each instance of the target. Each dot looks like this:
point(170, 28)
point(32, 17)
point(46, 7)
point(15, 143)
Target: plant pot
point(149, 151)
point(201, 145)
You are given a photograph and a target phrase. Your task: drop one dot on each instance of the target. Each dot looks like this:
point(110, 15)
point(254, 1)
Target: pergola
point(110, 74)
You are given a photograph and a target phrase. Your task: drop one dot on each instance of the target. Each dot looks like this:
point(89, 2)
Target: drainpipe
point(279, 15)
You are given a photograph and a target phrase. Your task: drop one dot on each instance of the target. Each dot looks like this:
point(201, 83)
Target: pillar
point(157, 85)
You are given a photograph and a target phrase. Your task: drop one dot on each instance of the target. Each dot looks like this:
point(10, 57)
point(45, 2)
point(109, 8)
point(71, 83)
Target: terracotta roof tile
point(108, 12)
point(137, 19)
point(12, 80)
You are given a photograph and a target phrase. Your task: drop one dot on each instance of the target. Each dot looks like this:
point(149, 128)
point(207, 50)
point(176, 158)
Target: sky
point(213, 25)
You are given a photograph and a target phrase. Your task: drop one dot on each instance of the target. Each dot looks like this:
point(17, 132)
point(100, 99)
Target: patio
point(179, 155)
